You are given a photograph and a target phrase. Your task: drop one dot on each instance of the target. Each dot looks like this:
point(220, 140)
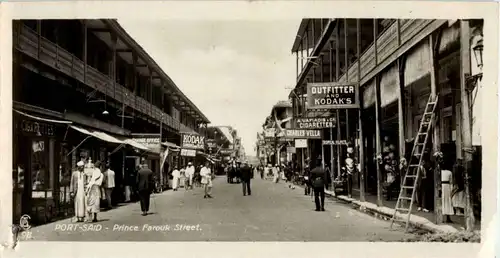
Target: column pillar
point(377, 139)
point(361, 158)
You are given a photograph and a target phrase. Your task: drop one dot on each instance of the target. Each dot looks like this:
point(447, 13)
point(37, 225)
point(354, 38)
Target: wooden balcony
point(387, 44)
point(47, 52)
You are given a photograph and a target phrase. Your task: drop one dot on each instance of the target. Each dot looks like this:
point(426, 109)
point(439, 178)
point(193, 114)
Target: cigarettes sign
point(332, 96)
point(314, 122)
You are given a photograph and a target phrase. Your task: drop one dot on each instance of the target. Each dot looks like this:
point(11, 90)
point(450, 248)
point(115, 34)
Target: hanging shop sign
point(300, 143)
point(211, 143)
point(192, 141)
point(152, 141)
point(314, 122)
point(302, 133)
point(335, 142)
point(37, 128)
point(188, 153)
point(290, 149)
point(332, 95)
point(226, 151)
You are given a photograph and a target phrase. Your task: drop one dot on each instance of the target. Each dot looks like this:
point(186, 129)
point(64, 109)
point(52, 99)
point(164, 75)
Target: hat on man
point(80, 164)
point(189, 163)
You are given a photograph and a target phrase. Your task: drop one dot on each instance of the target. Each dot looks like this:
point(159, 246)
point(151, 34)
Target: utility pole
point(466, 120)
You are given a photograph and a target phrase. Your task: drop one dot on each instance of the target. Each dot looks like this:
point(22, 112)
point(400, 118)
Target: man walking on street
point(189, 176)
point(144, 187)
point(319, 179)
point(206, 180)
point(109, 184)
point(246, 176)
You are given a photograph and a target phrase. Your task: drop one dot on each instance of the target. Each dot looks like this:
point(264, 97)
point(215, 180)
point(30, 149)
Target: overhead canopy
point(169, 144)
point(136, 144)
point(226, 133)
point(108, 138)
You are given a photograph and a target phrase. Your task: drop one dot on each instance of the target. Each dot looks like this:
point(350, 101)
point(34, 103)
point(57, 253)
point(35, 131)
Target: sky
point(233, 71)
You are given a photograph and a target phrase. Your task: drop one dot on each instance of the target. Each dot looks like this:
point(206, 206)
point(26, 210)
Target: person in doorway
point(189, 176)
point(206, 180)
point(77, 191)
point(446, 183)
point(422, 186)
point(319, 179)
point(458, 192)
point(93, 191)
point(145, 185)
point(176, 175)
point(246, 177)
point(349, 170)
point(109, 184)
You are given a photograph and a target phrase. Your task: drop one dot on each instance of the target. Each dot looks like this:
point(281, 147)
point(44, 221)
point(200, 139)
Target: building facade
point(395, 66)
point(86, 89)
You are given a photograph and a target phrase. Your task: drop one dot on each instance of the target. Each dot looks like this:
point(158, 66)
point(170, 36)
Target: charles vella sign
point(332, 96)
point(193, 141)
point(301, 133)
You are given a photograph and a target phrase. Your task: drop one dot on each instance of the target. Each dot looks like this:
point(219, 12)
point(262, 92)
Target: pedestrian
point(189, 176)
point(261, 170)
point(176, 175)
point(77, 191)
point(447, 204)
point(109, 184)
point(206, 180)
point(276, 173)
point(144, 187)
point(246, 176)
point(320, 180)
point(93, 190)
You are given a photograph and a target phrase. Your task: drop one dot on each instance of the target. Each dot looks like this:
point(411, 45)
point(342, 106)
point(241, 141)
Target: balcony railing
point(49, 53)
point(387, 43)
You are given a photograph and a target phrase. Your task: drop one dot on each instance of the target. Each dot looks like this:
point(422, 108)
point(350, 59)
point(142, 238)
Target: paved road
point(274, 212)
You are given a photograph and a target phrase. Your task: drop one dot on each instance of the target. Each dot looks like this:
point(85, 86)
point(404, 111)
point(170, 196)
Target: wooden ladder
point(415, 164)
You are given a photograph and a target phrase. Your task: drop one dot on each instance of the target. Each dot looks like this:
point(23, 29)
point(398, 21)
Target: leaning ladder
point(415, 164)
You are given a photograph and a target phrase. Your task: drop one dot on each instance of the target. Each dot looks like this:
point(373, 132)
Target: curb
point(386, 213)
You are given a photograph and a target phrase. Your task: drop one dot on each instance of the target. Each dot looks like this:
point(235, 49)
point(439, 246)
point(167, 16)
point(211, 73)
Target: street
point(273, 212)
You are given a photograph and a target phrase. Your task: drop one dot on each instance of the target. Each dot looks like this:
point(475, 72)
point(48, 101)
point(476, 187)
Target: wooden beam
point(337, 51)
point(377, 140)
point(361, 157)
point(85, 50)
point(98, 30)
point(401, 112)
point(375, 36)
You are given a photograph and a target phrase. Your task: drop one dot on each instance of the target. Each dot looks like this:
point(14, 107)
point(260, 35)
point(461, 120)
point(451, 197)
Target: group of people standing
point(88, 185)
point(242, 173)
point(202, 177)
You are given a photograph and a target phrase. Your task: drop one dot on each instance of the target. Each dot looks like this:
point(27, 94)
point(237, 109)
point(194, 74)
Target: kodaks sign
point(193, 141)
point(314, 122)
point(332, 96)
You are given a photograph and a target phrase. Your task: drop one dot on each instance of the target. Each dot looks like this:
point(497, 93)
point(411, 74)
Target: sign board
point(334, 142)
point(314, 122)
point(192, 141)
point(211, 143)
point(290, 149)
point(150, 140)
point(302, 133)
point(37, 128)
point(332, 95)
point(300, 143)
point(269, 133)
point(226, 151)
point(188, 153)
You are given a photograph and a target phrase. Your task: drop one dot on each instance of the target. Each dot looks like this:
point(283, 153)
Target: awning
point(169, 144)
point(100, 135)
point(42, 119)
point(136, 144)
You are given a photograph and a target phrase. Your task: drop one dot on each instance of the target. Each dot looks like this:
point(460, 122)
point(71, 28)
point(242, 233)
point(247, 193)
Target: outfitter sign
point(332, 96)
point(193, 141)
point(314, 122)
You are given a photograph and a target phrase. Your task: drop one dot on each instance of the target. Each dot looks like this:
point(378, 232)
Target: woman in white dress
point(176, 174)
point(93, 191)
point(446, 183)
